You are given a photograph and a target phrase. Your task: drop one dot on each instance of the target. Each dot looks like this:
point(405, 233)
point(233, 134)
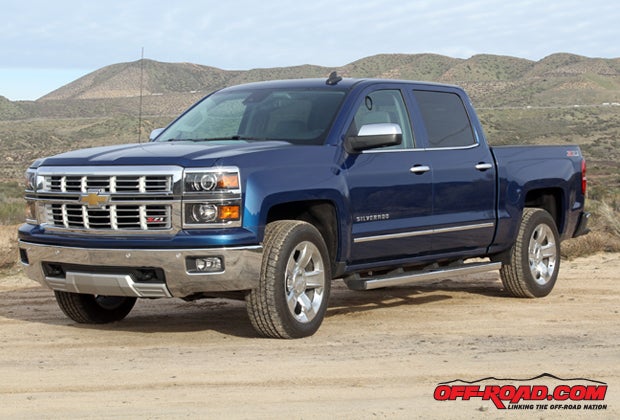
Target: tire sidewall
point(538, 218)
point(300, 233)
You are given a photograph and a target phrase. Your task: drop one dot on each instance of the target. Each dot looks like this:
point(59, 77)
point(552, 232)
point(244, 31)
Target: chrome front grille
point(114, 217)
point(112, 183)
point(111, 200)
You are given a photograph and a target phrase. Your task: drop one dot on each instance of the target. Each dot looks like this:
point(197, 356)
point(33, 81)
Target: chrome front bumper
point(240, 271)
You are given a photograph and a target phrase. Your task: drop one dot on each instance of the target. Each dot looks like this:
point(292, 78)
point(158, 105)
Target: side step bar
point(423, 275)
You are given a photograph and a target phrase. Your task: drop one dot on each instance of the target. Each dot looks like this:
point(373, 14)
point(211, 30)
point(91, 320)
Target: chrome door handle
point(484, 166)
point(419, 169)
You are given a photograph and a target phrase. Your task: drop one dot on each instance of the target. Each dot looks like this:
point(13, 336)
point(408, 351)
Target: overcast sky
point(46, 44)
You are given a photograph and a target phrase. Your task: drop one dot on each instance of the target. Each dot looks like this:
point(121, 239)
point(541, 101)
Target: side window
point(384, 106)
point(447, 123)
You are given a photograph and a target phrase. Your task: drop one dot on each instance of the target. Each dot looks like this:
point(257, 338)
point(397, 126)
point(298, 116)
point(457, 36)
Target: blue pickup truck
point(268, 191)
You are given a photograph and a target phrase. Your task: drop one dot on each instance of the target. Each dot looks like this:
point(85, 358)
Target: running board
point(425, 275)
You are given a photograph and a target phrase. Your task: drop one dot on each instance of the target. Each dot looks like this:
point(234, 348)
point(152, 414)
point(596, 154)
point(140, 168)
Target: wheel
point(91, 309)
point(291, 298)
point(534, 260)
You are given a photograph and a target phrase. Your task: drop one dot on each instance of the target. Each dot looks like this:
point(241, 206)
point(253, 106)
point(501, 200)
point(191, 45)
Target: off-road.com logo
point(541, 397)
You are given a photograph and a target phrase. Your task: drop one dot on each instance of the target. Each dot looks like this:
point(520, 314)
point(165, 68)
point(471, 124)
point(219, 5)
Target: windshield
point(299, 116)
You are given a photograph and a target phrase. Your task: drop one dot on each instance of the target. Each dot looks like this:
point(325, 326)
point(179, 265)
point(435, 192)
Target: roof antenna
point(333, 79)
point(140, 106)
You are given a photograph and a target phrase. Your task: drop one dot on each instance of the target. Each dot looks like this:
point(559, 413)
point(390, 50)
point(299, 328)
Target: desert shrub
point(604, 235)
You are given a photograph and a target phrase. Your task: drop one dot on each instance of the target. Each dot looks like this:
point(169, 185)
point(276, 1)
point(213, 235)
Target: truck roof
point(342, 83)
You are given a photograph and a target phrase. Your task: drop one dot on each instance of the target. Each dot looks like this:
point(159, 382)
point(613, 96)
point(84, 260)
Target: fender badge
point(95, 199)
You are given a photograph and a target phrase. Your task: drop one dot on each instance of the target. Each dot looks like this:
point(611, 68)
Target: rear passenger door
point(462, 168)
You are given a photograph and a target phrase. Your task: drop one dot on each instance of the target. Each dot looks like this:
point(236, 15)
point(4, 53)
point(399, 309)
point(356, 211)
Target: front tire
point(91, 309)
point(292, 296)
point(534, 259)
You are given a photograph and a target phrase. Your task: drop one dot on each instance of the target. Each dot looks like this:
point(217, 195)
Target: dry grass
point(605, 234)
point(610, 218)
point(8, 246)
point(592, 243)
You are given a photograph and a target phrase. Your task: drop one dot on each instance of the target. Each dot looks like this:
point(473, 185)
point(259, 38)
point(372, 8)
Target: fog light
point(209, 264)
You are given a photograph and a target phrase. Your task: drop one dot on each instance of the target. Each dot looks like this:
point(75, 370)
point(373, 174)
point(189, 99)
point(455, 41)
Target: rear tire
point(91, 309)
point(293, 292)
point(533, 263)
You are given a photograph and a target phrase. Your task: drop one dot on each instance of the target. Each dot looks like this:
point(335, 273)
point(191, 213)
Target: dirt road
point(379, 354)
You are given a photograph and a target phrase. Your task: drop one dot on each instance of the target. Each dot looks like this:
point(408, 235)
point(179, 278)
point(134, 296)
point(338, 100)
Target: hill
point(168, 88)
point(124, 80)
point(561, 98)
point(559, 79)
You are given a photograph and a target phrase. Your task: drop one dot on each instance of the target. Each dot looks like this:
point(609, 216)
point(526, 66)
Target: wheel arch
point(551, 200)
point(322, 214)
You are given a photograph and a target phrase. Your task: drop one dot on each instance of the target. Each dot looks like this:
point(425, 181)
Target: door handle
point(482, 166)
point(419, 169)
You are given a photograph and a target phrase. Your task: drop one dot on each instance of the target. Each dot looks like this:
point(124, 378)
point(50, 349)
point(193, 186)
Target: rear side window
point(446, 120)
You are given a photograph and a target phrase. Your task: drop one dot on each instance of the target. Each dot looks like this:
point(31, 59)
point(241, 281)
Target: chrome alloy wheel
point(542, 254)
point(305, 281)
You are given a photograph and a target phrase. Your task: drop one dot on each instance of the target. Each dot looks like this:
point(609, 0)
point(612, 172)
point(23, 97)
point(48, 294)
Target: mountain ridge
point(123, 80)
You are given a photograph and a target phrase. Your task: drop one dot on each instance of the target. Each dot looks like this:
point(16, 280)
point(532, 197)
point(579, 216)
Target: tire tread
point(84, 309)
point(514, 275)
point(262, 306)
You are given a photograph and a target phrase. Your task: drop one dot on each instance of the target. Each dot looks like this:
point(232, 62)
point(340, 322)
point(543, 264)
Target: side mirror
point(155, 133)
point(371, 136)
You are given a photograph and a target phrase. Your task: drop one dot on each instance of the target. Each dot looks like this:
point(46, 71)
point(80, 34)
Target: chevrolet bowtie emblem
point(95, 199)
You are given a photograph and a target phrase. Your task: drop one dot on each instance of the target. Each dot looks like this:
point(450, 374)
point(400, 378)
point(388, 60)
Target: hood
point(175, 153)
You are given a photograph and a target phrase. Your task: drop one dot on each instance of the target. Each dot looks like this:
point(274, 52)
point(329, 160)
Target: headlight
point(30, 185)
point(203, 182)
point(212, 198)
point(30, 180)
point(212, 213)
point(203, 213)
point(222, 180)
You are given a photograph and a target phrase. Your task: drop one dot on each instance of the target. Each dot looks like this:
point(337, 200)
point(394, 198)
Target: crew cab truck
point(268, 191)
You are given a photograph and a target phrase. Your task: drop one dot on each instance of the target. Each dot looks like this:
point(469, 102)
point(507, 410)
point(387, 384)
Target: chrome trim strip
point(422, 232)
point(420, 149)
point(471, 146)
